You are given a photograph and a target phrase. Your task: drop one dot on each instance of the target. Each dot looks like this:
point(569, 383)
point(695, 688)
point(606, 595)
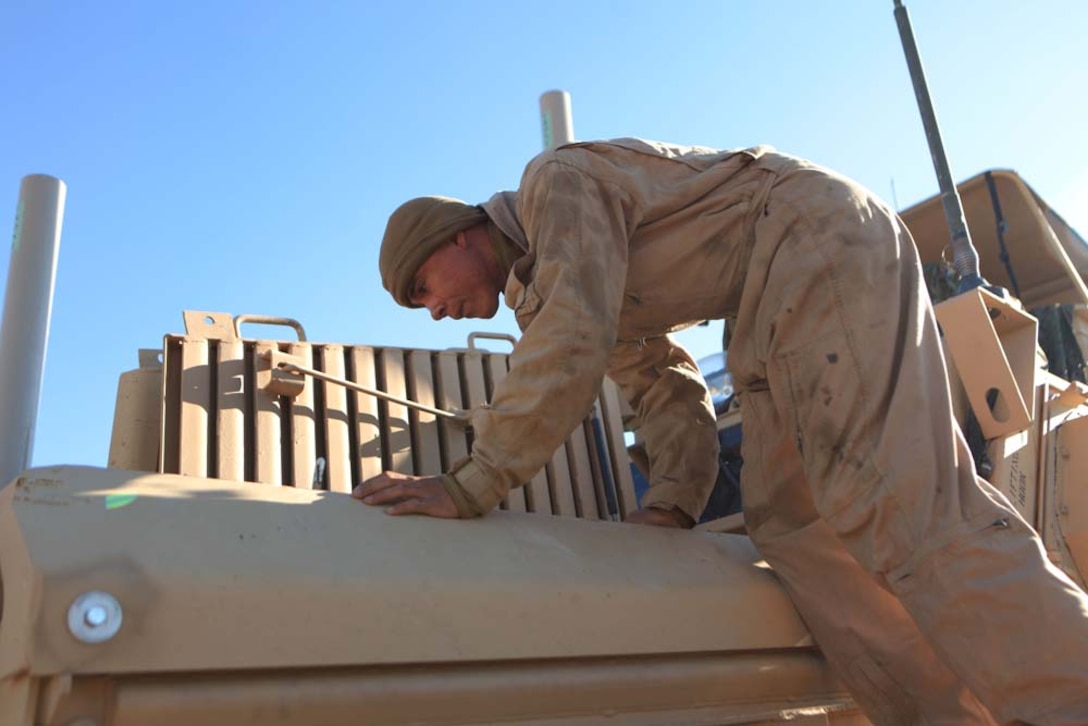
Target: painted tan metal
point(273, 378)
point(397, 426)
point(425, 442)
point(537, 498)
point(517, 500)
point(1071, 495)
point(296, 365)
point(473, 337)
point(1048, 257)
point(196, 392)
point(268, 320)
point(621, 467)
point(581, 474)
point(18, 699)
point(655, 692)
point(337, 421)
point(560, 485)
point(993, 344)
point(1062, 513)
point(303, 426)
point(231, 392)
point(1015, 459)
point(368, 421)
point(209, 325)
point(224, 417)
point(961, 407)
point(134, 441)
point(311, 602)
point(268, 457)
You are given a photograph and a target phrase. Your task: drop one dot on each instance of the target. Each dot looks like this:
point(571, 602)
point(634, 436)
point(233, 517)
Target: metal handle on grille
point(491, 336)
point(284, 362)
point(268, 320)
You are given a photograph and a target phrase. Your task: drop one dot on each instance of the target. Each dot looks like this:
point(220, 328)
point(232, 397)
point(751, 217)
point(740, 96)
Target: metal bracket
point(473, 337)
point(993, 346)
point(221, 326)
point(208, 326)
point(268, 320)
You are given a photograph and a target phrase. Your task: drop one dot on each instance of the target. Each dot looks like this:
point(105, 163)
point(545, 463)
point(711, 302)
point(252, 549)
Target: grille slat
point(337, 421)
point(303, 419)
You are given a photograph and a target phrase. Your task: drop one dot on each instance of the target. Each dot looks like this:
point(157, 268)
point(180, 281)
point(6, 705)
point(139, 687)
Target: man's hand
point(674, 518)
point(408, 494)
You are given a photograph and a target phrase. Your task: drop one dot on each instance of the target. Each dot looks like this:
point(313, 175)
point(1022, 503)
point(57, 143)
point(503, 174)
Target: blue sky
point(243, 157)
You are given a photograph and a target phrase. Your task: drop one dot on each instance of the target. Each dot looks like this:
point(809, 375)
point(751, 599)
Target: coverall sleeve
point(578, 231)
point(664, 387)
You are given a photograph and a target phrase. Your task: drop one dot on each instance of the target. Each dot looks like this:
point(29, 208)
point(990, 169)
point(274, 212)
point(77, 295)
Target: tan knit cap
point(415, 230)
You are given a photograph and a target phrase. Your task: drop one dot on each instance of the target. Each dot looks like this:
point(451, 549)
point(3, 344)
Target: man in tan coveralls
point(921, 584)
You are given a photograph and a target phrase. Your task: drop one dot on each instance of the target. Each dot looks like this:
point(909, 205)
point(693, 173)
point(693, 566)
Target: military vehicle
point(216, 572)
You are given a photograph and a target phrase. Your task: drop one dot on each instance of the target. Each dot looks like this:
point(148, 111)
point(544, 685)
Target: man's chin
point(490, 311)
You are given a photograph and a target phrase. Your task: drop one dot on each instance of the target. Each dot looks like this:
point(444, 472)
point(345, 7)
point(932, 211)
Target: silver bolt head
point(94, 617)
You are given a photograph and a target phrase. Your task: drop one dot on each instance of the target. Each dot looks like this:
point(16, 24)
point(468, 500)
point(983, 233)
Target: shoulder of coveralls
point(579, 156)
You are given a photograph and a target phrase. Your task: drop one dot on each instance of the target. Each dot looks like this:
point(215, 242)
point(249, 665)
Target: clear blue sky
point(243, 156)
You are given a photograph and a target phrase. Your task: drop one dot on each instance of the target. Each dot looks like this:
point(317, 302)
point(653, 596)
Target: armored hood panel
point(213, 575)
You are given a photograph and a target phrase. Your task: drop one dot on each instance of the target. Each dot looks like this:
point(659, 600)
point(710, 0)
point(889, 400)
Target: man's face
point(454, 282)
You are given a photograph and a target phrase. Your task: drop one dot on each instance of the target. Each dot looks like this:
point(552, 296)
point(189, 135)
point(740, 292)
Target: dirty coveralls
point(918, 580)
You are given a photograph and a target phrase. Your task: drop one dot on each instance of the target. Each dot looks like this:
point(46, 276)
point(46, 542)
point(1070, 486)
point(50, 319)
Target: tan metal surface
point(134, 441)
point(1071, 496)
point(230, 411)
point(1049, 259)
point(303, 426)
point(268, 458)
point(993, 345)
point(583, 481)
point(1015, 459)
point(697, 690)
point(196, 393)
point(612, 411)
point(424, 425)
point(337, 422)
point(518, 500)
point(220, 418)
point(231, 581)
point(368, 422)
point(1040, 475)
point(268, 320)
point(391, 370)
point(209, 325)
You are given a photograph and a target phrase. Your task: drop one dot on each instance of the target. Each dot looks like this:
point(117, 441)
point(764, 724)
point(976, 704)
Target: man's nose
point(438, 310)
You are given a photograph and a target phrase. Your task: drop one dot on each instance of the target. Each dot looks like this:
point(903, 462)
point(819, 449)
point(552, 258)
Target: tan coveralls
point(916, 577)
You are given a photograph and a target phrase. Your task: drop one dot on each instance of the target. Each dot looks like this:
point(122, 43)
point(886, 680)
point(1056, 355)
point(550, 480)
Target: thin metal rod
point(964, 255)
point(461, 416)
point(28, 305)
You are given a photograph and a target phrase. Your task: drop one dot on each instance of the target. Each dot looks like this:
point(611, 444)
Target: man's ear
point(460, 240)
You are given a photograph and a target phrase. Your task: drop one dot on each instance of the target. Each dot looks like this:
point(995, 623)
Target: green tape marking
point(116, 501)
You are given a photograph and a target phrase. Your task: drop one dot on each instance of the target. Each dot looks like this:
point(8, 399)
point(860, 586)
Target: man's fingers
point(395, 492)
point(379, 483)
point(407, 495)
point(371, 485)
